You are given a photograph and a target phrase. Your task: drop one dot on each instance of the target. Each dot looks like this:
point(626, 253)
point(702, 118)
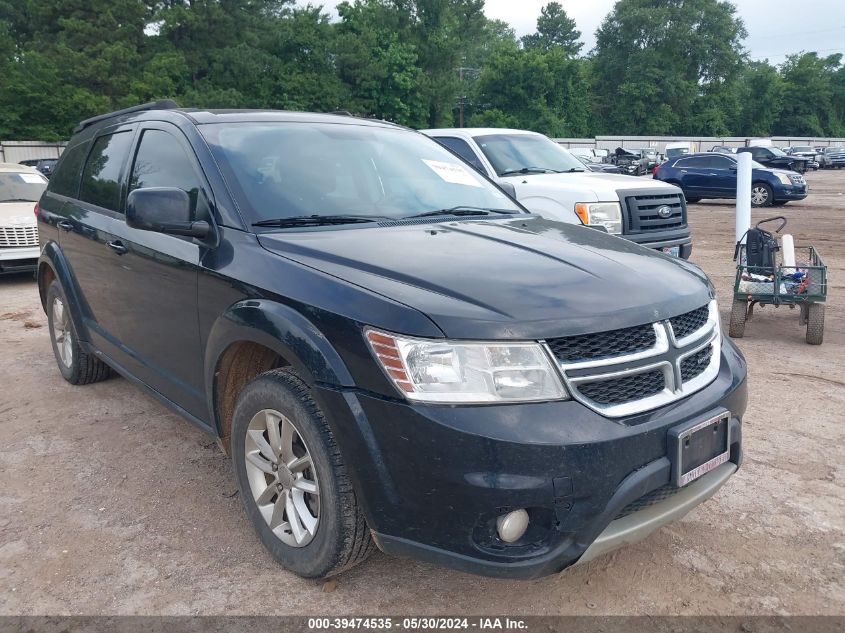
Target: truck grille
point(642, 213)
point(18, 236)
point(601, 344)
point(627, 371)
point(689, 322)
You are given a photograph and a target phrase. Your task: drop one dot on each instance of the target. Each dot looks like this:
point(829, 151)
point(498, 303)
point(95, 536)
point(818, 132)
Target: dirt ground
point(110, 504)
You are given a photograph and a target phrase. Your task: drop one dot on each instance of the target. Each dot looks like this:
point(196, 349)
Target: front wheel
point(292, 478)
point(761, 195)
point(693, 200)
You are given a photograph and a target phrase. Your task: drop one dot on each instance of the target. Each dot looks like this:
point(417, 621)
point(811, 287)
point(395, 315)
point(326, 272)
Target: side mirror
point(163, 210)
point(733, 167)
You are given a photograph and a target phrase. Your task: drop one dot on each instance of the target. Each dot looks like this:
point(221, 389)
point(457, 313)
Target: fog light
point(512, 526)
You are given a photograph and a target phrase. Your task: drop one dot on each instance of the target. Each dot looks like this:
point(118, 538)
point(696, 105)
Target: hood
point(516, 278)
point(17, 214)
point(588, 180)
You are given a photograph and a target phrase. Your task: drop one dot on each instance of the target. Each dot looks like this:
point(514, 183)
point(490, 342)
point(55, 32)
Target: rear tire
point(338, 537)
point(761, 195)
point(77, 366)
point(739, 311)
point(815, 323)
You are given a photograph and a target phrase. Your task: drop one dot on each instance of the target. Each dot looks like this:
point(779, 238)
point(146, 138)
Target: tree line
point(670, 67)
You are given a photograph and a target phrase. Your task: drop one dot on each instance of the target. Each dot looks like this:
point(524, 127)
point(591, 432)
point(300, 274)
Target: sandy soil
point(110, 504)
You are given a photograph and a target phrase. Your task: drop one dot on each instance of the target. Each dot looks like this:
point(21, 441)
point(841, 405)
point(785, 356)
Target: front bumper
point(433, 479)
point(795, 192)
point(19, 259)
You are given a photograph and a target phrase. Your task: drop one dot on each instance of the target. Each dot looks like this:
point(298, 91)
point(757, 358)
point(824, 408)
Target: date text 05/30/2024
point(410, 623)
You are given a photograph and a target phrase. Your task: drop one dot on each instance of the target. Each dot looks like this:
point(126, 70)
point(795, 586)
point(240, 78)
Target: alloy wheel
point(282, 478)
point(759, 195)
point(62, 334)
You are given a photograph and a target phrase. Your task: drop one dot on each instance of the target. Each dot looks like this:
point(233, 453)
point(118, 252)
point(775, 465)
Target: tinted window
point(696, 162)
point(101, 176)
point(462, 149)
point(65, 180)
point(161, 161)
point(719, 162)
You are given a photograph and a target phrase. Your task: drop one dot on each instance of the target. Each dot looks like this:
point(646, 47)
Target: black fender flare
point(277, 327)
point(53, 259)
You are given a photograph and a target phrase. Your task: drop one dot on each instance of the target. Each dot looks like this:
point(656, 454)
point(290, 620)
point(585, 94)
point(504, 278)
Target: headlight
point(607, 214)
point(439, 371)
point(784, 178)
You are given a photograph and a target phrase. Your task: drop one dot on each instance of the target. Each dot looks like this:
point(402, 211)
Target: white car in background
point(20, 189)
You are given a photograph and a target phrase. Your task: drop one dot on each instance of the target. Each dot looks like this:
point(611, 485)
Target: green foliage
point(659, 67)
point(555, 30)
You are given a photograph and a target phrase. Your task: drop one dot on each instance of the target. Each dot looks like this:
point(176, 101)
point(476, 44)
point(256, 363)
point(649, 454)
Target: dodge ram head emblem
point(664, 211)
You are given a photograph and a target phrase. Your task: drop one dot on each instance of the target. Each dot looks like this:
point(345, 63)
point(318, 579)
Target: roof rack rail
point(164, 104)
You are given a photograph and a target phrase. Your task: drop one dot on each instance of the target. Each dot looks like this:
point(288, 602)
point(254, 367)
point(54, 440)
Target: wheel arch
point(52, 266)
point(254, 336)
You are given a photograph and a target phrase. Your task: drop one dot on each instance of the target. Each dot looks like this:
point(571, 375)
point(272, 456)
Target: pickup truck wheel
point(77, 366)
point(815, 323)
point(739, 310)
point(761, 195)
point(292, 479)
point(693, 200)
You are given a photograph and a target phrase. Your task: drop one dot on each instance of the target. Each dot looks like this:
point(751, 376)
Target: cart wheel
point(739, 310)
point(815, 323)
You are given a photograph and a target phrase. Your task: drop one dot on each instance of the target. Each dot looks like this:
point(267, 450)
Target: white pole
point(743, 195)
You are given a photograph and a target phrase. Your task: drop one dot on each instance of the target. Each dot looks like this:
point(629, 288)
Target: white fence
point(699, 143)
point(16, 151)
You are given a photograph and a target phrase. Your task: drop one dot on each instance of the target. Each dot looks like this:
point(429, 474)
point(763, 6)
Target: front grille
point(689, 322)
point(602, 344)
point(643, 216)
point(625, 389)
point(649, 499)
point(18, 236)
point(693, 366)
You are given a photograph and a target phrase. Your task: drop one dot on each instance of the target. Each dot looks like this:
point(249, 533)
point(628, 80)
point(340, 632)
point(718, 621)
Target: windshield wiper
point(573, 170)
point(17, 200)
point(319, 220)
point(460, 211)
point(530, 170)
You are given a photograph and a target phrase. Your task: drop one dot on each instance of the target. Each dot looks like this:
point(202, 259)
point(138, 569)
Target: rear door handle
point(117, 246)
point(64, 224)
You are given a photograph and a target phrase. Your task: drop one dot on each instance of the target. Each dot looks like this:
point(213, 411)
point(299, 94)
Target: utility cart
point(763, 278)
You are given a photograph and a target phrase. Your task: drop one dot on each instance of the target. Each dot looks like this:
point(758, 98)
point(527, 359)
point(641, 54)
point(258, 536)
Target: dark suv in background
point(776, 158)
point(394, 352)
point(713, 175)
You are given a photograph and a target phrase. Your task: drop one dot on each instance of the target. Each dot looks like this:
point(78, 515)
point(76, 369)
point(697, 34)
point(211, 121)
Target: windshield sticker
point(32, 179)
point(452, 172)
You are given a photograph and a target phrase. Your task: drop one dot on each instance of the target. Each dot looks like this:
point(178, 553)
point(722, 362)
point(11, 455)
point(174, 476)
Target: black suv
point(776, 158)
point(394, 353)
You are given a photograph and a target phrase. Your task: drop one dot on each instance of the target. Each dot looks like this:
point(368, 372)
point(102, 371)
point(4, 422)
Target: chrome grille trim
point(666, 356)
point(16, 236)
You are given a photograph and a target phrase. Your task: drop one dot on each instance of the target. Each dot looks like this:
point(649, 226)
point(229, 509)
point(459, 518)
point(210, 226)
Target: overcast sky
point(775, 27)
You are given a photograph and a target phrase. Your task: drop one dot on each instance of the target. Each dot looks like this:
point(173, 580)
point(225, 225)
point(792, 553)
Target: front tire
point(293, 481)
point(693, 200)
point(77, 366)
point(761, 195)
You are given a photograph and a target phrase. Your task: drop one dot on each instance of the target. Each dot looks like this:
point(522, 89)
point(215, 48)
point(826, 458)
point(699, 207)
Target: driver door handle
point(117, 246)
point(64, 224)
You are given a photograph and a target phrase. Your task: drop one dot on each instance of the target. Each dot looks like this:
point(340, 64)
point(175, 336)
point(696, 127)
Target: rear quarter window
point(65, 179)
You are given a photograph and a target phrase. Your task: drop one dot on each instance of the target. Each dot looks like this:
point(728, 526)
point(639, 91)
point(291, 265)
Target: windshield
point(803, 149)
point(676, 151)
point(512, 154)
point(777, 151)
point(291, 169)
point(21, 186)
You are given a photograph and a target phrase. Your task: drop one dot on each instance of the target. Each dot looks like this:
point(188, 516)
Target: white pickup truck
point(551, 182)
